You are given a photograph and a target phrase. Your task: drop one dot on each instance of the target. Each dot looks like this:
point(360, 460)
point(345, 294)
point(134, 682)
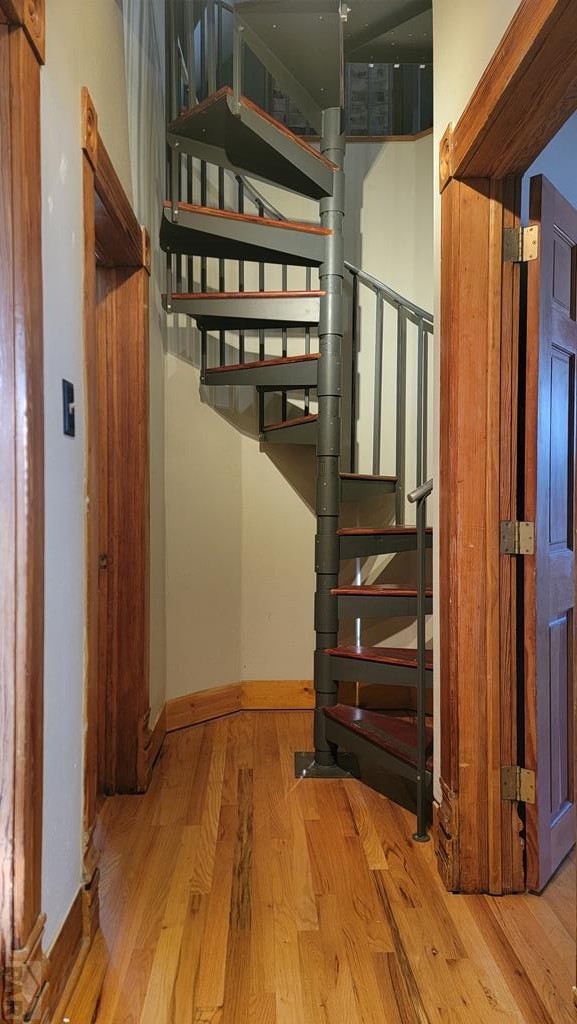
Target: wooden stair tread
point(249, 218)
point(298, 421)
point(397, 734)
point(368, 476)
point(226, 90)
point(383, 655)
point(247, 295)
point(286, 360)
point(379, 590)
point(387, 531)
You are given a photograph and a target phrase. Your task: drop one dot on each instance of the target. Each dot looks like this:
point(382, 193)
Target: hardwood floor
point(233, 894)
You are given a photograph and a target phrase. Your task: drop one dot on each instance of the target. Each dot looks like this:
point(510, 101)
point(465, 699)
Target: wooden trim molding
point(525, 95)
point(149, 748)
point(115, 304)
point(22, 977)
point(252, 695)
point(29, 14)
point(523, 98)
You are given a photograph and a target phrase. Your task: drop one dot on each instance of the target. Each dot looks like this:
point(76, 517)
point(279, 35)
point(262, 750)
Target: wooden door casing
point(550, 503)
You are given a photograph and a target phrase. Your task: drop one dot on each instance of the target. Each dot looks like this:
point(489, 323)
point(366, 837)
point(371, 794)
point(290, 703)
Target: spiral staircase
point(302, 46)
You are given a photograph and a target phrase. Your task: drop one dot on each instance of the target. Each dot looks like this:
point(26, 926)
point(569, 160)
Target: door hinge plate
point(517, 538)
point(517, 784)
point(521, 245)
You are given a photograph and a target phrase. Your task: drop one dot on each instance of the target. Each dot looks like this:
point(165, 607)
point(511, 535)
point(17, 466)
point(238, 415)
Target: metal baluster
point(354, 374)
point(261, 334)
point(241, 334)
point(284, 406)
point(307, 406)
point(425, 402)
point(211, 46)
point(378, 393)
point(420, 361)
point(221, 267)
point(420, 495)
point(401, 429)
point(203, 266)
point(219, 46)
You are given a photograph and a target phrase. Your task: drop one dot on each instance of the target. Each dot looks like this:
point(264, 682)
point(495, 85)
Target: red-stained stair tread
point(393, 733)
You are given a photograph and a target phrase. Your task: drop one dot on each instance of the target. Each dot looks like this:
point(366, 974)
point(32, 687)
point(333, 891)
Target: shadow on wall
point(239, 407)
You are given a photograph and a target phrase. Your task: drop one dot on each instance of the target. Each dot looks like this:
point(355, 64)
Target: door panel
point(550, 502)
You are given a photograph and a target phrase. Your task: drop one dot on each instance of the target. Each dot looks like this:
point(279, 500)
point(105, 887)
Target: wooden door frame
point(113, 236)
point(525, 95)
point(23, 974)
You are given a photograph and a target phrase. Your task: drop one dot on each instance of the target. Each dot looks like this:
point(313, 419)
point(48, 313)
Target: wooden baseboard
point(67, 955)
point(252, 695)
point(26, 985)
point(71, 947)
point(149, 745)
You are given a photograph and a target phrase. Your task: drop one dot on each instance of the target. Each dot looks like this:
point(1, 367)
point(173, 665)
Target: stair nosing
point(248, 218)
point(204, 296)
point(379, 590)
point(386, 531)
point(261, 363)
point(299, 421)
point(359, 654)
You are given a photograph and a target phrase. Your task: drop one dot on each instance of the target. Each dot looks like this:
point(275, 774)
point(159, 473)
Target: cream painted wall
point(465, 37)
point(85, 47)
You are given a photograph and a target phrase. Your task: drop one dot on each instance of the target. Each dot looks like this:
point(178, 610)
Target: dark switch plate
point(68, 408)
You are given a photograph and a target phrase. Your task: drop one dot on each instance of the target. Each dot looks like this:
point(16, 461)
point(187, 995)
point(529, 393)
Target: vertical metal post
point(236, 67)
point(378, 397)
point(329, 436)
point(308, 286)
point(401, 445)
point(241, 334)
point(425, 402)
point(221, 267)
point(211, 46)
point(420, 404)
point(284, 335)
point(421, 834)
point(354, 373)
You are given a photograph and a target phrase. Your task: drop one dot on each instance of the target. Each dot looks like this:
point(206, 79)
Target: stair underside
point(379, 601)
point(393, 733)
point(230, 311)
point(301, 430)
point(202, 231)
point(358, 543)
point(300, 43)
point(363, 485)
point(290, 372)
point(396, 665)
point(253, 143)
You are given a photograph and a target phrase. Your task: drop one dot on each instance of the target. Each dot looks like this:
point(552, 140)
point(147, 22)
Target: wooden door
point(550, 502)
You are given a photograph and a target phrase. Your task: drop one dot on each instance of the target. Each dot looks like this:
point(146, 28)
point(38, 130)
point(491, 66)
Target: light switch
point(68, 408)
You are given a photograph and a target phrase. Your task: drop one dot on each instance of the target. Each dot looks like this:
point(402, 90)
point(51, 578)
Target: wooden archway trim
point(522, 99)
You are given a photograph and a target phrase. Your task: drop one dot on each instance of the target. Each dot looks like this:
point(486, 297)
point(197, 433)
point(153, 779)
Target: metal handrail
point(420, 492)
point(419, 497)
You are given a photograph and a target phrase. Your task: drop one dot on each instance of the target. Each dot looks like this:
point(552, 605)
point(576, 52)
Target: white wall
point(558, 162)
point(84, 47)
point(465, 37)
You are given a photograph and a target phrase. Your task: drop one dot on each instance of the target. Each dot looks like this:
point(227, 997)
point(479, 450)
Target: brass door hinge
point(521, 245)
point(517, 538)
point(517, 784)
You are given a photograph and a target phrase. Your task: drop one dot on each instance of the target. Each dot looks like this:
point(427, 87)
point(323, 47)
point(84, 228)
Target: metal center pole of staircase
point(329, 437)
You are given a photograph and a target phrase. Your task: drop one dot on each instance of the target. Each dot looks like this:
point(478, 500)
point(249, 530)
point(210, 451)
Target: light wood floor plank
point(232, 893)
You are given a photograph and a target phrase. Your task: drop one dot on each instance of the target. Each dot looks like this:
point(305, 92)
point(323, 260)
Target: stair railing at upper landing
point(200, 35)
